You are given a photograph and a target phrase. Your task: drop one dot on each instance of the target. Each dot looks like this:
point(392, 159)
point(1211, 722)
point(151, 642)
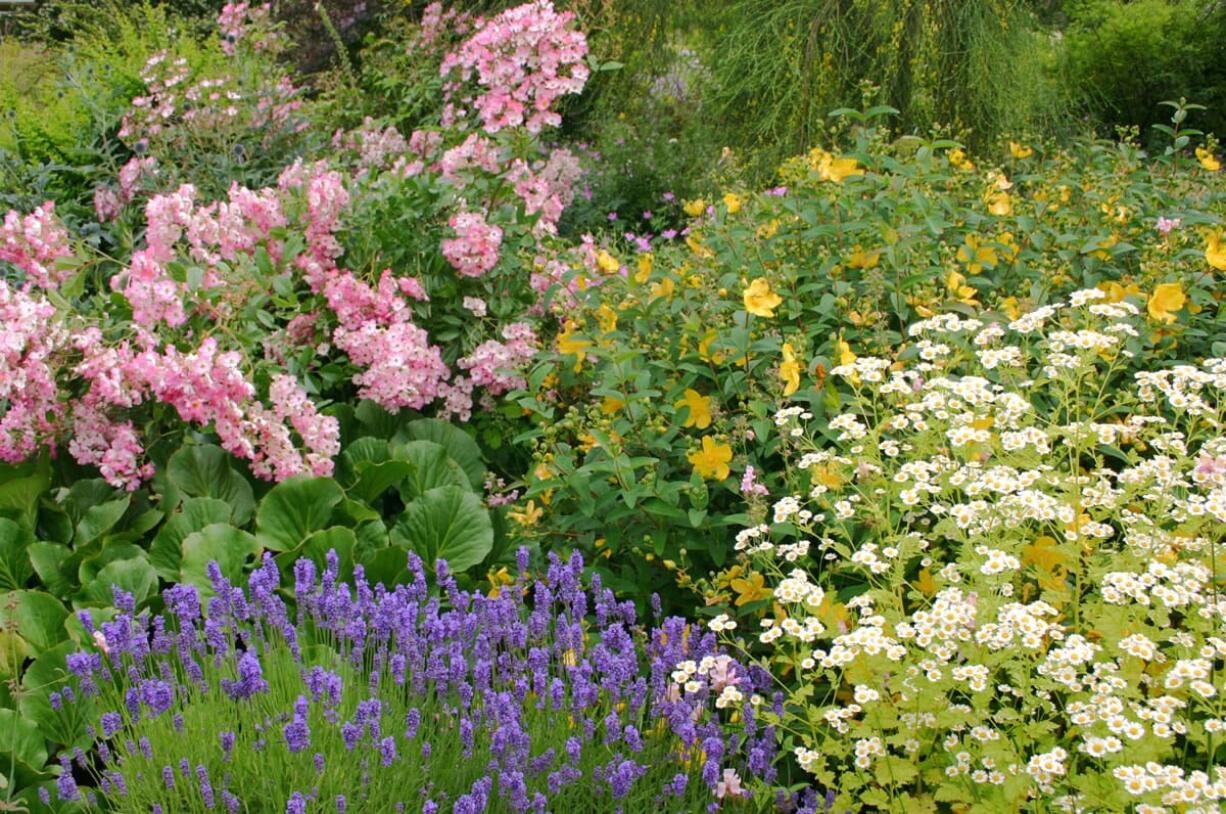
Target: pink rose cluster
point(109, 201)
point(33, 243)
point(497, 366)
point(522, 61)
point(249, 23)
point(206, 387)
point(474, 249)
point(30, 343)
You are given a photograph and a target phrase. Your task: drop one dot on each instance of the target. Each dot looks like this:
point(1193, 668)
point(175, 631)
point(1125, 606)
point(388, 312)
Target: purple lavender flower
point(297, 804)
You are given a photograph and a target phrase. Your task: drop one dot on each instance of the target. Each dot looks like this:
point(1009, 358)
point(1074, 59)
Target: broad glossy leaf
point(460, 445)
point(446, 523)
point(294, 509)
point(194, 514)
point(231, 548)
point(205, 471)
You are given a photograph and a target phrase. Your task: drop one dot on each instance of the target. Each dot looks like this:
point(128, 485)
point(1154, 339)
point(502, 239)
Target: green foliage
point(976, 66)
point(1124, 57)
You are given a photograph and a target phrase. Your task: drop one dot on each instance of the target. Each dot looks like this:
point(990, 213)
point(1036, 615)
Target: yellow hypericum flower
point(607, 263)
point(956, 284)
point(704, 348)
point(767, 230)
point(542, 471)
point(1106, 243)
point(700, 409)
point(760, 300)
point(976, 255)
point(864, 259)
point(1166, 299)
point(1207, 160)
point(957, 158)
point(528, 516)
point(1010, 306)
point(1020, 150)
point(789, 370)
point(1011, 249)
point(646, 261)
point(606, 318)
point(695, 208)
point(610, 405)
point(664, 288)
point(497, 579)
point(1215, 252)
point(750, 589)
point(733, 202)
point(999, 204)
point(711, 462)
point(1116, 292)
point(568, 344)
point(694, 241)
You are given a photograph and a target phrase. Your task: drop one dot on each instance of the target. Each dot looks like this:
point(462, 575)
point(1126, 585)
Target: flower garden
point(365, 450)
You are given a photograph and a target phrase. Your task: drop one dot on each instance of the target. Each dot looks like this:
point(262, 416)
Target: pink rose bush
point(245, 312)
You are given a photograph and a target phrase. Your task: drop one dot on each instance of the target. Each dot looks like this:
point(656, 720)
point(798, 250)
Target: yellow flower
point(663, 288)
point(1206, 159)
point(760, 300)
point(1167, 298)
point(568, 344)
point(956, 284)
point(528, 516)
point(1116, 292)
point(695, 208)
point(750, 589)
point(711, 462)
point(610, 405)
point(864, 259)
point(1000, 204)
point(497, 579)
point(542, 471)
point(700, 409)
point(976, 256)
point(957, 158)
point(1215, 252)
point(704, 348)
point(606, 317)
point(767, 230)
point(733, 202)
point(694, 241)
point(1103, 245)
point(789, 371)
point(646, 260)
point(1009, 245)
point(846, 357)
point(607, 263)
point(1020, 150)
point(1011, 307)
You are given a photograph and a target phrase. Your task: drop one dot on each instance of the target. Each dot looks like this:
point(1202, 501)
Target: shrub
point(1125, 58)
point(658, 395)
point(991, 576)
point(358, 697)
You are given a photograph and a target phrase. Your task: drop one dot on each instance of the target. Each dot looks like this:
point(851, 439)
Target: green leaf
point(44, 675)
point(204, 471)
point(446, 523)
point(100, 519)
point(295, 508)
point(22, 486)
point(429, 468)
point(229, 547)
point(48, 560)
point(316, 548)
point(135, 575)
point(15, 568)
point(20, 740)
point(36, 616)
point(388, 566)
point(194, 514)
point(460, 445)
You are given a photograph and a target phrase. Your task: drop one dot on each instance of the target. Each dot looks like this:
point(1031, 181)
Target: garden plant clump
point(499, 328)
point(362, 698)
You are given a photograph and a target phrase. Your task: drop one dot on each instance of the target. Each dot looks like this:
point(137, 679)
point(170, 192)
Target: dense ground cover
point(892, 482)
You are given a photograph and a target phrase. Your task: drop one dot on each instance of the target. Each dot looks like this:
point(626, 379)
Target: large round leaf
point(460, 445)
point(229, 547)
point(37, 617)
point(135, 575)
point(205, 471)
point(22, 747)
point(316, 548)
point(446, 523)
point(295, 508)
point(100, 519)
point(429, 468)
point(15, 567)
point(194, 514)
point(46, 674)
